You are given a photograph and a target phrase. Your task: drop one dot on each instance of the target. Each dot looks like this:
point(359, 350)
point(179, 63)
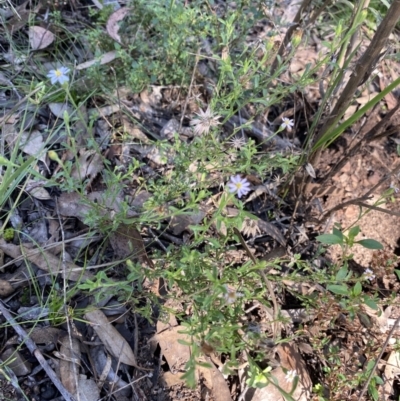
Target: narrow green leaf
point(371, 303)
point(342, 273)
point(329, 239)
point(354, 231)
point(357, 289)
point(339, 289)
point(337, 232)
point(370, 244)
point(333, 134)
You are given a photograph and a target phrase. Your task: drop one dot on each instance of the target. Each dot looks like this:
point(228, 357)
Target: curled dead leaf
point(40, 38)
point(112, 23)
point(103, 59)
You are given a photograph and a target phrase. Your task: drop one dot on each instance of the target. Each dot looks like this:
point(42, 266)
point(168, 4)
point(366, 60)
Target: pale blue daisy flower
point(59, 75)
point(239, 185)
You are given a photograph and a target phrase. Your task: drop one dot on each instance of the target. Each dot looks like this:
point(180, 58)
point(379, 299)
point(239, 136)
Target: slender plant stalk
point(361, 69)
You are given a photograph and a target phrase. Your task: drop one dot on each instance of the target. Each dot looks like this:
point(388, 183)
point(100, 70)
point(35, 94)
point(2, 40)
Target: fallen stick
point(35, 351)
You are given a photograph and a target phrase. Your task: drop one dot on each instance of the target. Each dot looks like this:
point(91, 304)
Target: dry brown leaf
point(35, 188)
point(58, 109)
point(115, 344)
point(32, 144)
point(45, 261)
point(175, 353)
point(39, 335)
point(350, 111)
point(23, 14)
point(168, 379)
point(182, 222)
point(104, 111)
point(103, 59)
point(73, 204)
point(40, 38)
point(134, 131)
point(390, 99)
point(6, 288)
point(40, 193)
point(68, 358)
point(127, 241)
point(89, 165)
point(87, 389)
point(290, 360)
point(392, 370)
point(16, 362)
point(220, 390)
point(113, 23)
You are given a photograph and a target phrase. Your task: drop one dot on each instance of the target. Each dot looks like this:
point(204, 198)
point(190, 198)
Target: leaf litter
point(100, 340)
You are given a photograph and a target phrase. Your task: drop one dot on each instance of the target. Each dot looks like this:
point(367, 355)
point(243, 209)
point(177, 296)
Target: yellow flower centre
point(239, 185)
point(58, 73)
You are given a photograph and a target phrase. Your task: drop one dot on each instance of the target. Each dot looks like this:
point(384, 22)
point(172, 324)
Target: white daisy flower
point(231, 295)
point(369, 274)
point(239, 185)
point(290, 375)
point(237, 142)
point(59, 75)
point(395, 189)
point(250, 227)
point(287, 123)
point(205, 121)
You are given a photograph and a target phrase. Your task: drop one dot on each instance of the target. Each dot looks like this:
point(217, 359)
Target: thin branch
point(379, 209)
point(372, 372)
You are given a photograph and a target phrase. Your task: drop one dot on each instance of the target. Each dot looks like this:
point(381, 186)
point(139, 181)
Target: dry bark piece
point(113, 23)
point(40, 38)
